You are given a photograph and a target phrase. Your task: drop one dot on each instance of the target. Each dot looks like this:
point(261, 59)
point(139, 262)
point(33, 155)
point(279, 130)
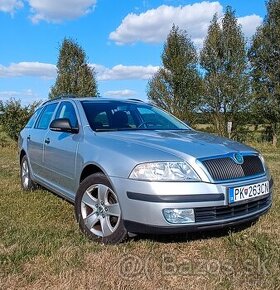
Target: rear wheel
point(26, 182)
point(98, 210)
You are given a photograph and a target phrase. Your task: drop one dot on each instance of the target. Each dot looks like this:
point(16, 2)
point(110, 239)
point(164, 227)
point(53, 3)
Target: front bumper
point(134, 227)
point(142, 204)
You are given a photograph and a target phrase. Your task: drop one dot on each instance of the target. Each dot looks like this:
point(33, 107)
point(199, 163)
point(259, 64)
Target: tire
point(27, 183)
point(98, 211)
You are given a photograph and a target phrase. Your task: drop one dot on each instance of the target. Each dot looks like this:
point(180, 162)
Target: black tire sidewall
point(120, 233)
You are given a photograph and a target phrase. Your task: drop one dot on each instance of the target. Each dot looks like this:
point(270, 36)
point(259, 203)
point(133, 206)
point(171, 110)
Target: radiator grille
point(226, 169)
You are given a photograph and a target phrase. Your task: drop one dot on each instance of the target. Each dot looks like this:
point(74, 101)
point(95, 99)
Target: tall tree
point(74, 75)
point(176, 86)
point(226, 86)
point(264, 56)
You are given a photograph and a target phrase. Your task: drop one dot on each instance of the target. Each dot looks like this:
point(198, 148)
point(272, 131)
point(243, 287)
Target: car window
point(67, 110)
point(33, 118)
point(122, 118)
point(101, 120)
point(151, 118)
point(46, 116)
point(103, 116)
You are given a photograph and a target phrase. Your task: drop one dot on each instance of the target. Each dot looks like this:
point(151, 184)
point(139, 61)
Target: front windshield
point(117, 115)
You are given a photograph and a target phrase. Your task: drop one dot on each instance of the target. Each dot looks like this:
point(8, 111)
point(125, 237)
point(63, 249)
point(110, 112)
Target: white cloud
point(154, 25)
point(59, 10)
point(122, 72)
point(49, 71)
point(33, 69)
point(14, 94)
point(120, 93)
point(10, 6)
point(11, 94)
point(50, 10)
point(250, 23)
point(26, 96)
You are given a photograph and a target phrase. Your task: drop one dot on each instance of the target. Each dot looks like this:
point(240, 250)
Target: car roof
point(94, 99)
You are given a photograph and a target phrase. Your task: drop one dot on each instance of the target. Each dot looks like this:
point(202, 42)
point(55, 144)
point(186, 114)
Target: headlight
point(164, 171)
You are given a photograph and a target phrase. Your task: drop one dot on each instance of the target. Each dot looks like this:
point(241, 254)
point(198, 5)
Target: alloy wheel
point(100, 210)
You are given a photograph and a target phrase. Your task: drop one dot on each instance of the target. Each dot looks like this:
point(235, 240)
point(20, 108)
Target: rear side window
point(33, 118)
point(45, 117)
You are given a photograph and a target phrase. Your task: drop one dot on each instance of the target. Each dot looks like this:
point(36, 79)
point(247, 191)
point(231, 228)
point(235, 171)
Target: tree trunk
point(215, 122)
point(274, 140)
point(274, 134)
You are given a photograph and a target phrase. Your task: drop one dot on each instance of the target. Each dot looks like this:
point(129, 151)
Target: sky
point(123, 39)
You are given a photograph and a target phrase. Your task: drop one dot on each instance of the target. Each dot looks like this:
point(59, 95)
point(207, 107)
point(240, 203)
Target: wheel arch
point(90, 169)
point(22, 154)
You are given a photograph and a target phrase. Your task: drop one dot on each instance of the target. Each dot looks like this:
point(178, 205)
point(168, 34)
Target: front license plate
point(248, 191)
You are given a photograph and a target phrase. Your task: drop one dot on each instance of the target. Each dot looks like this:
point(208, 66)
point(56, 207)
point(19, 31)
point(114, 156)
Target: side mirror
point(63, 125)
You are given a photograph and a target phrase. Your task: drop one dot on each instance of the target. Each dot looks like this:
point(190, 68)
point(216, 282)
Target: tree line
point(227, 80)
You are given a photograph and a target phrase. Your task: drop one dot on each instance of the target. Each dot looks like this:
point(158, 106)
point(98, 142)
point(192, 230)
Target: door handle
point(28, 138)
point(47, 141)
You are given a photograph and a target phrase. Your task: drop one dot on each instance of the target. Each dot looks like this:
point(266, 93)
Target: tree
point(1, 108)
point(264, 56)
point(176, 86)
point(15, 116)
point(74, 76)
point(226, 85)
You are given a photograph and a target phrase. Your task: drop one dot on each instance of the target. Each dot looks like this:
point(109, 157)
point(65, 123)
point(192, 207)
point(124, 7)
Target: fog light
point(179, 215)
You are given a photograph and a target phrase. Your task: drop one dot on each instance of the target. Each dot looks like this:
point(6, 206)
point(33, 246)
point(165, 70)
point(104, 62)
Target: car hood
point(181, 143)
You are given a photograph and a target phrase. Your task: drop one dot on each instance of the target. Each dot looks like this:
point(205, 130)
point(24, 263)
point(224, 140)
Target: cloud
point(10, 6)
point(32, 69)
point(122, 72)
point(59, 10)
point(153, 25)
point(50, 10)
point(120, 93)
point(13, 94)
point(49, 71)
point(26, 96)
point(250, 23)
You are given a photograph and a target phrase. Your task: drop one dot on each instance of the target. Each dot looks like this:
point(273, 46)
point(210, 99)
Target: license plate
point(248, 191)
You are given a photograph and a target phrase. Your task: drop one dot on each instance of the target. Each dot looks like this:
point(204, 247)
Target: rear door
point(36, 140)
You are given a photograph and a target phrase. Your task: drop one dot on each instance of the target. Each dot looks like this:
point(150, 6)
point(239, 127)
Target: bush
point(14, 116)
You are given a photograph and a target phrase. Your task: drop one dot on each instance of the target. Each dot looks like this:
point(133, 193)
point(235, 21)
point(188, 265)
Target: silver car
point(130, 167)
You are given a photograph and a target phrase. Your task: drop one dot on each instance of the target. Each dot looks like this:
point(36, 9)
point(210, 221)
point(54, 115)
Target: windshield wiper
point(138, 129)
point(113, 129)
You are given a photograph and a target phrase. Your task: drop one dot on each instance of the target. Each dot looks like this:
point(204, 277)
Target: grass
point(42, 248)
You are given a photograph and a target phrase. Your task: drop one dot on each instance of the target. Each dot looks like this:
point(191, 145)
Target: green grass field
point(41, 247)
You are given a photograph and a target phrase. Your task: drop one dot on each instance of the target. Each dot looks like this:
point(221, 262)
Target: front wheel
point(98, 210)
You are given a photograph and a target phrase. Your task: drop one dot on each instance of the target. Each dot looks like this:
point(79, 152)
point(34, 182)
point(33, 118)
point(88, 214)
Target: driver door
point(60, 154)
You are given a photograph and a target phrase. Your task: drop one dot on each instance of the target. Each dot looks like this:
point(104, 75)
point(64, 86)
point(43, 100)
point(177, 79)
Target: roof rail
point(59, 98)
point(136, 100)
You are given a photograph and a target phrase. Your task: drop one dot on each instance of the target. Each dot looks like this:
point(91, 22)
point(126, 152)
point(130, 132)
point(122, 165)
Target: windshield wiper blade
point(105, 130)
point(113, 129)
